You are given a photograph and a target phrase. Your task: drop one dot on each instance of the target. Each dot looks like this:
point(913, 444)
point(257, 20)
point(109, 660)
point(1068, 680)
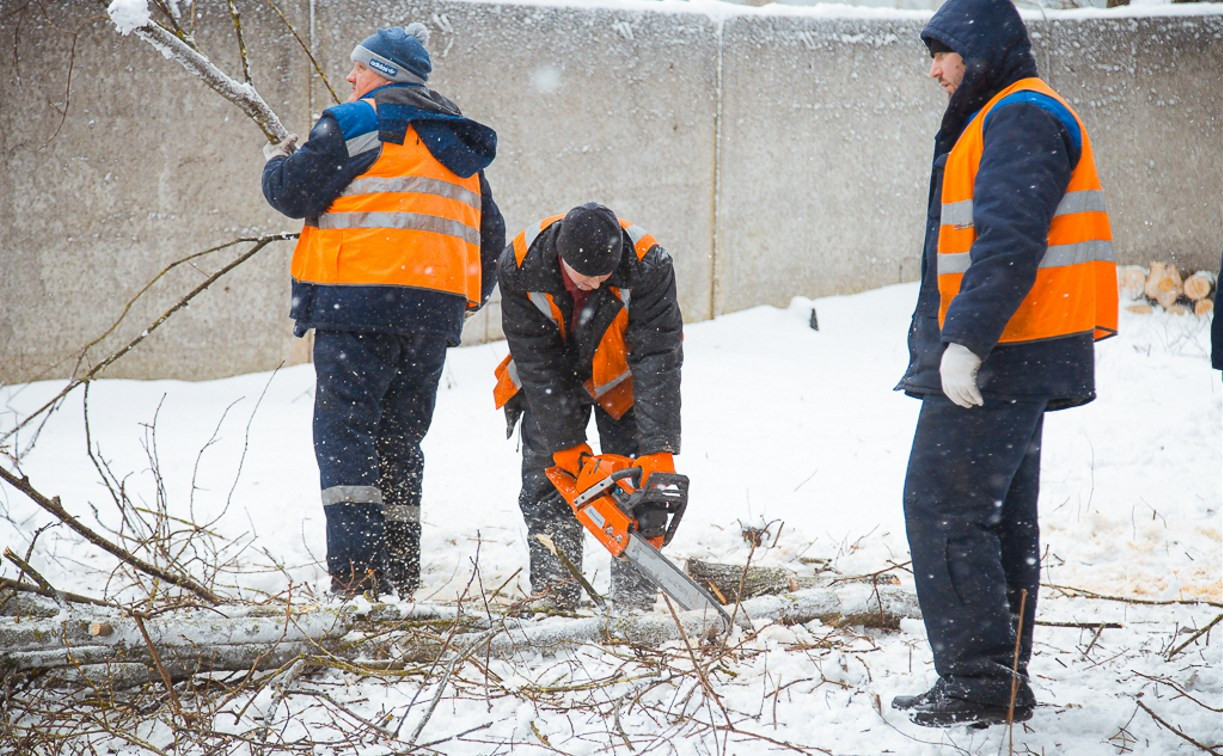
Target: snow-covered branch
point(132, 17)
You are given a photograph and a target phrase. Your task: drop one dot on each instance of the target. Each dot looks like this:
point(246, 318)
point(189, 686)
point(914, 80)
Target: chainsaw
point(633, 522)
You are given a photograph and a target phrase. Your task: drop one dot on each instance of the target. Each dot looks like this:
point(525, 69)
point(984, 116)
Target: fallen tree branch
point(1194, 637)
point(1128, 600)
point(1175, 731)
point(193, 641)
point(53, 506)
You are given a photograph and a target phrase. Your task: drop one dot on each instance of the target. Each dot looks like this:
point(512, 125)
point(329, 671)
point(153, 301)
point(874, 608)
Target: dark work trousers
point(372, 407)
point(970, 511)
point(545, 512)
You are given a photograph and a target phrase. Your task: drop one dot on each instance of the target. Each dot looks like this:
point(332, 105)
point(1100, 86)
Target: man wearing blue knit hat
point(401, 240)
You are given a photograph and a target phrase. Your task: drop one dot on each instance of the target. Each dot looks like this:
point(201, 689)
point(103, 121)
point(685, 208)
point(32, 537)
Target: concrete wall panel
point(114, 174)
point(1151, 93)
point(775, 153)
point(826, 137)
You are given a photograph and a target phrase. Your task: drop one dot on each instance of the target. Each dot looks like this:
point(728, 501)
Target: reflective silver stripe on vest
point(418, 184)
point(625, 295)
point(1055, 257)
point(604, 388)
point(364, 143)
point(512, 371)
point(352, 495)
point(401, 513)
point(959, 214)
point(531, 234)
point(414, 221)
point(1087, 201)
point(540, 300)
point(636, 233)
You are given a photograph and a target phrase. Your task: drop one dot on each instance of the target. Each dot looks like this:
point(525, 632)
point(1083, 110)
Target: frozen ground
point(784, 426)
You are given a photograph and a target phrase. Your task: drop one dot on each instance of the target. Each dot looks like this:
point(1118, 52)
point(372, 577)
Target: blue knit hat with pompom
point(397, 54)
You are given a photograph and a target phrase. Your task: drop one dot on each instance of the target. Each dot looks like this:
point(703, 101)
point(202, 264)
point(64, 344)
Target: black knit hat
point(936, 46)
point(590, 240)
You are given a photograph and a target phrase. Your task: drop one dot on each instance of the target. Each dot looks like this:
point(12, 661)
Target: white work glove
point(958, 371)
point(283, 148)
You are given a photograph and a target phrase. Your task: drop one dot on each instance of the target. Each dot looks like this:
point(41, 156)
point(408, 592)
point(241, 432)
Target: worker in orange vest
point(589, 309)
point(1018, 282)
point(400, 242)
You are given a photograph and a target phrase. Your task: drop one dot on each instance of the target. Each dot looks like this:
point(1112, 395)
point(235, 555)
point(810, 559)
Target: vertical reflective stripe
point(511, 370)
point(625, 295)
point(540, 300)
point(532, 233)
point(352, 495)
point(401, 513)
point(642, 240)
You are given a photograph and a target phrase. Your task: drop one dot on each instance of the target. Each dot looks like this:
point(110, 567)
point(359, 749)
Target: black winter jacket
point(552, 369)
point(1028, 157)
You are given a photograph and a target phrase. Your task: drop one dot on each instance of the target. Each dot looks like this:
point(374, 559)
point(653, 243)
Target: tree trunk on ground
point(102, 647)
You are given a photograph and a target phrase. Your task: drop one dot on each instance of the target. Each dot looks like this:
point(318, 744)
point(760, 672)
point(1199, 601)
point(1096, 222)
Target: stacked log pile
point(1161, 286)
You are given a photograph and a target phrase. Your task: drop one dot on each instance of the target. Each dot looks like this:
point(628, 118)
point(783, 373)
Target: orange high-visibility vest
point(407, 221)
point(611, 380)
point(1076, 282)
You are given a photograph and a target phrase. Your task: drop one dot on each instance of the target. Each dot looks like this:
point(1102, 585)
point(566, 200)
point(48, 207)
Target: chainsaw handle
point(628, 472)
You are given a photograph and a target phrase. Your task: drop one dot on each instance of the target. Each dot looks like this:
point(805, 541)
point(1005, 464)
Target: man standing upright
point(401, 239)
point(1018, 281)
point(589, 309)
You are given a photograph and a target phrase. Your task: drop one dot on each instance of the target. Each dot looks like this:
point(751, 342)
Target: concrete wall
point(775, 153)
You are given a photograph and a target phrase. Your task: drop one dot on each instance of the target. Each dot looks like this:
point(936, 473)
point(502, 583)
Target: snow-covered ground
point(784, 426)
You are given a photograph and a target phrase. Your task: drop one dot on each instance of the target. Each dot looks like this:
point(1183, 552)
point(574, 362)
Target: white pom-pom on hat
point(418, 30)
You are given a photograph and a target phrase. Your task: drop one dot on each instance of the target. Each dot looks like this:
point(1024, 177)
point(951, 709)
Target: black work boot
point(630, 590)
point(356, 550)
point(904, 703)
point(935, 708)
point(548, 574)
point(403, 557)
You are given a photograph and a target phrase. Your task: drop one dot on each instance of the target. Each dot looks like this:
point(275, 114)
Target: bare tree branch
point(53, 506)
point(259, 243)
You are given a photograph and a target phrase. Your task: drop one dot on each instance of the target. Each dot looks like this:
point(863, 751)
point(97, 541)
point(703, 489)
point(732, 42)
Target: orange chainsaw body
point(590, 496)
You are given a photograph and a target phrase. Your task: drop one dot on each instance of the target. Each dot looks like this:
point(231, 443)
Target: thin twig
point(1194, 637)
point(259, 243)
point(53, 506)
point(1010, 707)
point(1165, 724)
point(306, 49)
point(1128, 600)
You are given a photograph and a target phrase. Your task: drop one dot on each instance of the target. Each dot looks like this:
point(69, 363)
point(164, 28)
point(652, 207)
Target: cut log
point(1131, 279)
point(1140, 309)
point(1203, 307)
point(1164, 284)
point(1200, 285)
point(723, 580)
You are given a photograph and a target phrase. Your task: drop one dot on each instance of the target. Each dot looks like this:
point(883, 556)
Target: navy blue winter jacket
point(1031, 147)
point(343, 144)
